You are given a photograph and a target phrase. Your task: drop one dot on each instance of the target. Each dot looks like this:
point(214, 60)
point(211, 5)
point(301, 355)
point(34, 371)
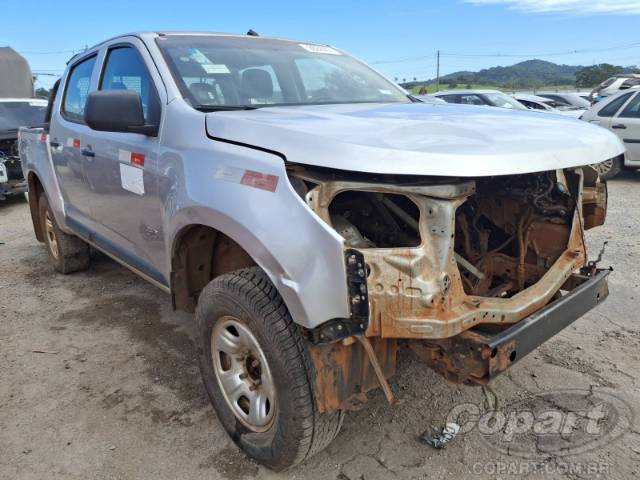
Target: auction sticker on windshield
point(320, 49)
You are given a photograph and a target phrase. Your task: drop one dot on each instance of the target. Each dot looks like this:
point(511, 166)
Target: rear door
point(626, 124)
point(124, 170)
point(67, 137)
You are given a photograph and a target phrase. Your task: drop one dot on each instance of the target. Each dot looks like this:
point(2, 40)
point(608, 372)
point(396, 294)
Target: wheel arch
point(35, 190)
point(200, 252)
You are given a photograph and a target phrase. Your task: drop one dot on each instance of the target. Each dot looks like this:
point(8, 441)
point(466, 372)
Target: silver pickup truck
point(316, 219)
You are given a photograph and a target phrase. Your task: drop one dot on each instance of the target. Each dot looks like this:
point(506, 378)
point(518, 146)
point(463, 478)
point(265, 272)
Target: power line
point(53, 52)
point(624, 46)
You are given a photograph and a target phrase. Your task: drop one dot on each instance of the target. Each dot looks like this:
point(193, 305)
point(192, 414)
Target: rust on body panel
point(344, 372)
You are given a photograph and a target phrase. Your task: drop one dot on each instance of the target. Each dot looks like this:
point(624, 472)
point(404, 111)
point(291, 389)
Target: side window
point(471, 100)
point(125, 70)
point(633, 109)
point(450, 98)
point(77, 90)
point(611, 109)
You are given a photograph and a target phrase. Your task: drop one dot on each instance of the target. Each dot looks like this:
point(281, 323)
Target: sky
point(399, 38)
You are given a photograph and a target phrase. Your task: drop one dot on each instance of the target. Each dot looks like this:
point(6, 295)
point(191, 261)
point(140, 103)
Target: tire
point(67, 253)
point(609, 168)
point(243, 304)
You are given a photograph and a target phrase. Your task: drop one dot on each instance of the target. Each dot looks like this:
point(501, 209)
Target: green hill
point(529, 74)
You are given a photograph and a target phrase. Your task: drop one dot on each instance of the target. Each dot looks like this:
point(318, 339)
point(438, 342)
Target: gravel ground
point(99, 380)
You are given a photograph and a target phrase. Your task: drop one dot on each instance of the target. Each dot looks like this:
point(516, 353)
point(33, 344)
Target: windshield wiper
point(223, 108)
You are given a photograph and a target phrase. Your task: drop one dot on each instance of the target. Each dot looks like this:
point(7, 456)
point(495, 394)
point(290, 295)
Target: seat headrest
point(257, 83)
point(204, 93)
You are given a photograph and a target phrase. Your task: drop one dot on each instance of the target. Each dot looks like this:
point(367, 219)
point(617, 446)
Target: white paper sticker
point(131, 179)
point(213, 68)
point(320, 49)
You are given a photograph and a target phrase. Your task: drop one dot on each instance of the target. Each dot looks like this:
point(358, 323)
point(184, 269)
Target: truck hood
point(418, 139)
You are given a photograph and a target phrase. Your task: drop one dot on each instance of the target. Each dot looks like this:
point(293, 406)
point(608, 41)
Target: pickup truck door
point(626, 124)
point(66, 132)
point(123, 171)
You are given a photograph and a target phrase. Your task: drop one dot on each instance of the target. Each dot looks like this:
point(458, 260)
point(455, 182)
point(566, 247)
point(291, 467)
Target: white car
point(576, 99)
point(489, 98)
point(430, 99)
point(620, 113)
point(616, 83)
point(535, 102)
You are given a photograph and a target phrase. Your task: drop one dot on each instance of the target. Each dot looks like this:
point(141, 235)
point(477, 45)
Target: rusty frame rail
point(476, 357)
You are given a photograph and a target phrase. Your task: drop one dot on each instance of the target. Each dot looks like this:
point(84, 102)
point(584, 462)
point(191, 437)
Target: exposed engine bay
point(445, 258)
point(12, 180)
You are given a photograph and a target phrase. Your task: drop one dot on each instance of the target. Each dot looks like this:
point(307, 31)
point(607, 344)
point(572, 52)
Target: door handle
point(87, 153)
point(619, 126)
point(54, 143)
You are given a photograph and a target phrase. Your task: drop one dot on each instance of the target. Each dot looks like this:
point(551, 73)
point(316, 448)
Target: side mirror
point(117, 111)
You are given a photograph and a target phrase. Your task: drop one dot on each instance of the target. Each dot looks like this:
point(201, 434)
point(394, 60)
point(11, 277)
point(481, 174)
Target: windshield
point(562, 106)
point(218, 72)
point(503, 101)
point(21, 114)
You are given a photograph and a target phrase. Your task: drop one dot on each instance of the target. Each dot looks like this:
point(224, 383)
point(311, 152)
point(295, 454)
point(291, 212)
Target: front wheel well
point(200, 254)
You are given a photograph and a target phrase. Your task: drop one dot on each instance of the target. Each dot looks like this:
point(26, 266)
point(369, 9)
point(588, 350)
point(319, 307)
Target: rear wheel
point(609, 168)
point(257, 371)
point(67, 253)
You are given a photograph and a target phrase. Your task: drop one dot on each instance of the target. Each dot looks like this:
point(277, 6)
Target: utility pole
point(438, 73)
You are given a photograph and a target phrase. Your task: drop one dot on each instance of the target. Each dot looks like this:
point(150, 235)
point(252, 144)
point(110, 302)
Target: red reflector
point(76, 143)
point(43, 137)
point(263, 181)
point(137, 159)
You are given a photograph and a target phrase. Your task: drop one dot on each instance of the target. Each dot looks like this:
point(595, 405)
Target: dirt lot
point(99, 380)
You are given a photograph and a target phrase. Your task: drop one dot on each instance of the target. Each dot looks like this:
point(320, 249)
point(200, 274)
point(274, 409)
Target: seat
point(256, 84)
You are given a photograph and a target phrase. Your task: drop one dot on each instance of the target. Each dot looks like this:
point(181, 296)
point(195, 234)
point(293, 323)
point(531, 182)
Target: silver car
point(619, 113)
point(316, 219)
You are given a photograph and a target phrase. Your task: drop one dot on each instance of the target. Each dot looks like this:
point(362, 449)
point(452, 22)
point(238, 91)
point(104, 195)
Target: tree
point(42, 92)
point(596, 74)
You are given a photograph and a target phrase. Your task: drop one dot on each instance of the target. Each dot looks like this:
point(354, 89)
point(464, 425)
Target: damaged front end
point(12, 181)
point(471, 274)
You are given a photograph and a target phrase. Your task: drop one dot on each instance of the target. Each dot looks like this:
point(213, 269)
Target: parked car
point(491, 98)
point(316, 219)
point(14, 113)
point(614, 84)
point(578, 100)
point(430, 99)
point(535, 102)
point(619, 113)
